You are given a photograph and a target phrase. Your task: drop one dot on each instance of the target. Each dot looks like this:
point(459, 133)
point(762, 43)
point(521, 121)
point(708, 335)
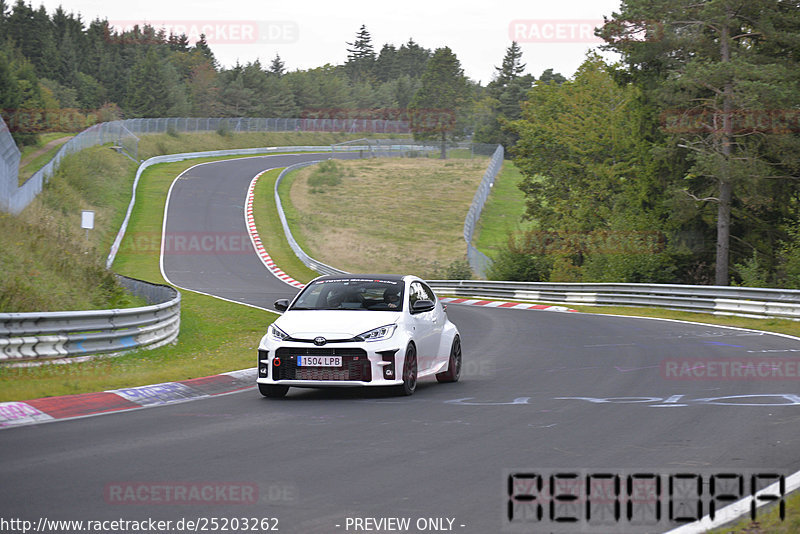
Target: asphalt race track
point(207, 201)
point(540, 391)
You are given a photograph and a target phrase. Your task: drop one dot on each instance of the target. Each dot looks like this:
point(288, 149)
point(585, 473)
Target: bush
point(658, 268)
point(518, 261)
point(751, 273)
point(457, 270)
point(328, 173)
point(224, 129)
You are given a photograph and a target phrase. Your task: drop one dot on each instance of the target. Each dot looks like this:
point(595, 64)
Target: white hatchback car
point(359, 330)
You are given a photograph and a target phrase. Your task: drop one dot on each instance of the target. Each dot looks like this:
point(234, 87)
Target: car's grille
point(355, 365)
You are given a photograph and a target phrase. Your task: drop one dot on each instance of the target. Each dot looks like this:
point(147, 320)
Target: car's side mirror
point(281, 304)
point(422, 306)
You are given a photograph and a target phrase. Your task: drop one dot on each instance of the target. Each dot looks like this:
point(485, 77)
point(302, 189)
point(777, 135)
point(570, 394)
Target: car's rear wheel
point(409, 372)
point(273, 391)
point(453, 372)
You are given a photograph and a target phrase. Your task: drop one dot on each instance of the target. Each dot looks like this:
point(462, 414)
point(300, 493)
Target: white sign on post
point(87, 221)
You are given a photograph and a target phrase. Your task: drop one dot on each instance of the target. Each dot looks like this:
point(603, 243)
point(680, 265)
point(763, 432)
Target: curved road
point(540, 390)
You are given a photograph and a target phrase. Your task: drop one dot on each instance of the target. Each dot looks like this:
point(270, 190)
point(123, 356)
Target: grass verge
point(270, 229)
point(502, 214)
point(389, 215)
point(216, 336)
point(768, 522)
point(47, 260)
point(26, 171)
point(782, 326)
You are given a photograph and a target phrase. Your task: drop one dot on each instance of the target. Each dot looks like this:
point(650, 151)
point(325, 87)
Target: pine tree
point(710, 64)
point(203, 92)
point(503, 100)
point(277, 66)
point(237, 99)
point(512, 66)
point(386, 67)
point(360, 62)
point(412, 59)
point(202, 46)
point(10, 98)
point(548, 76)
point(444, 92)
point(149, 92)
point(66, 71)
point(278, 99)
point(178, 43)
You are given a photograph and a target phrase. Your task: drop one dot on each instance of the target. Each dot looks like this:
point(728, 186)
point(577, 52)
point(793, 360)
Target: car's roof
point(387, 277)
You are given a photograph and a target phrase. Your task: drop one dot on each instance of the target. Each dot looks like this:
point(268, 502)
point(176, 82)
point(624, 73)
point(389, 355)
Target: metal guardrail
point(383, 150)
point(171, 158)
point(307, 260)
point(69, 334)
point(719, 300)
point(478, 261)
point(52, 335)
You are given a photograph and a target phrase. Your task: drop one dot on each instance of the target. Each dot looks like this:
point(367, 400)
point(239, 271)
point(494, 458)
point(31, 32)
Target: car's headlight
point(276, 333)
point(378, 334)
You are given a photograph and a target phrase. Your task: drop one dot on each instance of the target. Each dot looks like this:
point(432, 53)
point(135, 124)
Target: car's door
point(427, 326)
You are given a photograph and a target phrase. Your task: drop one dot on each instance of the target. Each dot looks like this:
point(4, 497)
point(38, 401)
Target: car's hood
point(333, 324)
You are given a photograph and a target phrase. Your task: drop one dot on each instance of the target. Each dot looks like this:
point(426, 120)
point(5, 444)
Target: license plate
point(319, 361)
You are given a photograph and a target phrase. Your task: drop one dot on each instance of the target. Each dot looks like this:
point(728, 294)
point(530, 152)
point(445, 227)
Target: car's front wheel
point(453, 372)
point(409, 372)
point(273, 391)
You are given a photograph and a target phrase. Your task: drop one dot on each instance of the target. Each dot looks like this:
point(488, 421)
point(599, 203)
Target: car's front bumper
point(363, 364)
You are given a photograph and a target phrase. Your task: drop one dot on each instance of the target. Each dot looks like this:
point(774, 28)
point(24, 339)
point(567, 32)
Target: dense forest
point(678, 164)
point(82, 73)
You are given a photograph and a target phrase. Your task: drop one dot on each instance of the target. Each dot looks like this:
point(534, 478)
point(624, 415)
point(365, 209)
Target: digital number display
point(629, 500)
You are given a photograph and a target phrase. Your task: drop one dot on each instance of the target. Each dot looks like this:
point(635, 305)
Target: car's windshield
point(351, 294)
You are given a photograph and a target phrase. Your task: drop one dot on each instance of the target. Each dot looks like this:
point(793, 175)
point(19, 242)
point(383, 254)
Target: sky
point(311, 33)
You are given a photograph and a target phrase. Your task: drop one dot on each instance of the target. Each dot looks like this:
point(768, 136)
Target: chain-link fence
point(9, 165)
point(414, 148)
point(14, 198)
point(259, 124)
point(124, 135)
point(478, 261)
